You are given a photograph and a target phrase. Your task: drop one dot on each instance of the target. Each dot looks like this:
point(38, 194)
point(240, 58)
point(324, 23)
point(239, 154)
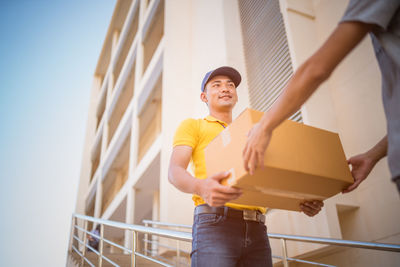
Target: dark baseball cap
point(226, 71)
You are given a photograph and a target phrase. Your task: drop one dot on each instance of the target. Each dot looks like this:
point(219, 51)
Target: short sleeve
point(378, 12)
point(186, 134)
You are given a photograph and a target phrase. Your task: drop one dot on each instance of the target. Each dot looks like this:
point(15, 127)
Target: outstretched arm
point(301, 86)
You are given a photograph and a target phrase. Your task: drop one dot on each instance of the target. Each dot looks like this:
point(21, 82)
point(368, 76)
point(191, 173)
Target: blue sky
point(48, 53)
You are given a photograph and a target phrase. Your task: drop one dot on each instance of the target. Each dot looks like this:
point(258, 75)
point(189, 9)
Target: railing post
point(84, 242)
point(178, 253)
point(146, 240)
point(71, 236)
point(134, 241)
point(284, 253)
point(101, 244)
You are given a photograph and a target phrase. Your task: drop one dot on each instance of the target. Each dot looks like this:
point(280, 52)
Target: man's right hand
point(214, 193)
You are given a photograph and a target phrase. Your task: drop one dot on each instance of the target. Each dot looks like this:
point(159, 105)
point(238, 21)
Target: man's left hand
point(311, 208)
point(257, 143)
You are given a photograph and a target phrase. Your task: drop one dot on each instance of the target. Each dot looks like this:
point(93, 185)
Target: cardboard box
point(301, 163)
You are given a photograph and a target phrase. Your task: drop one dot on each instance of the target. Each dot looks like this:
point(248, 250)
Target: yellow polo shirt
point(198, 133)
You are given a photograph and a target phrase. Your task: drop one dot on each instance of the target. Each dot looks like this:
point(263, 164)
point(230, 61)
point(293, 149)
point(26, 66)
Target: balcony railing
point(80, 246)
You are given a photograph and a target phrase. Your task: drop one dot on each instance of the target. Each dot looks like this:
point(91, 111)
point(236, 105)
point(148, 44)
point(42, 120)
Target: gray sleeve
point(378, 12)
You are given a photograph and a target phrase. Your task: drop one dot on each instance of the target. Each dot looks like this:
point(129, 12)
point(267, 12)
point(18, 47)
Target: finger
point(312, 206)
point(227, 197)
point(351, 187)
point(307, 210)
point(311, 210)
point(228, 190)
point(215, 203)
point(236, 196)
point(248, 133)
point(304, 209)
point(261, 160)
point(220, 175)
point(320, 203)
point(316, 205)
point(252, 163)
point(223, 198)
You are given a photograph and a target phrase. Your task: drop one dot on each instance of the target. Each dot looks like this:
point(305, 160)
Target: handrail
point(163, 245)
point(92, 249)
point(81, 255)
point(138, 228)
point(177, 235)
point(105, 240)
point(320, 240)
point(339, 242)
point(167, 224)
point(186, 236)
point(304, 261)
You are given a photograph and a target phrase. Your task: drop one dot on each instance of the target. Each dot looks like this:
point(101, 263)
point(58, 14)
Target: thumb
point(221, 175)
point(351, 187)
point(350, 161)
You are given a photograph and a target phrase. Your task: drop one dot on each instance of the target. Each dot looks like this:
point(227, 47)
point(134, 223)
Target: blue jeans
point(222, 241)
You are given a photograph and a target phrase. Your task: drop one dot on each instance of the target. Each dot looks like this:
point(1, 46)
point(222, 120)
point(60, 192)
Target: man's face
point(220, 93)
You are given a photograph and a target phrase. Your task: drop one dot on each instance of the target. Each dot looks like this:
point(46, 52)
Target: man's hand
point(311, 208)
point(361, 165)
point(257, 143)
point(214, 193)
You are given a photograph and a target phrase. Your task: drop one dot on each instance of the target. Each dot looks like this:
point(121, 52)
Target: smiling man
point(224, 234)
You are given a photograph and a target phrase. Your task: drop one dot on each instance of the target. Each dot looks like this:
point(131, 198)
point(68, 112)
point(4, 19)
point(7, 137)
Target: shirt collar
point(211, 118)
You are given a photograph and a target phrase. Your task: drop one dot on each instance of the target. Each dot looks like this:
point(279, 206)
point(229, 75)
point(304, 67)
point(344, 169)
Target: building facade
point(147, 81)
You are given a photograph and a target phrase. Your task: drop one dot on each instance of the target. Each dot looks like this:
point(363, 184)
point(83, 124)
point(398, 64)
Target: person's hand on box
point(361, 167)
point(311, 208)
point(362, 164)
point(253, 153)
point(214, 193)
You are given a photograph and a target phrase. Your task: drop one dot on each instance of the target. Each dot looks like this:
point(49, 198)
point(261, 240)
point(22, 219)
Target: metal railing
point(187, 237)
point(134, 229)
point(318, 240)
point(157, 244)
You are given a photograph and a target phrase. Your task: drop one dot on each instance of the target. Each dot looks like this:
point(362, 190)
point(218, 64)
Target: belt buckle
point(250, 215)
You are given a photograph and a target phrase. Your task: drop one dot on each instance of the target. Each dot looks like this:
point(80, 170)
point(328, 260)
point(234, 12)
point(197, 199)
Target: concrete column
point(130, 216)
point(85, 172)
point(133, 156)
point(177, 84)
point(155, 217)
point(99, 198)
point(110, 86)
point(111, 80)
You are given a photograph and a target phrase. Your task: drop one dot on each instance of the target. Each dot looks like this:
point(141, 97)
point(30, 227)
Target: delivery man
point(224, 234)
point(381, 19)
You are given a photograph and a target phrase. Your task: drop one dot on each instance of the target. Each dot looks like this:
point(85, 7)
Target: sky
point(48, 54)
